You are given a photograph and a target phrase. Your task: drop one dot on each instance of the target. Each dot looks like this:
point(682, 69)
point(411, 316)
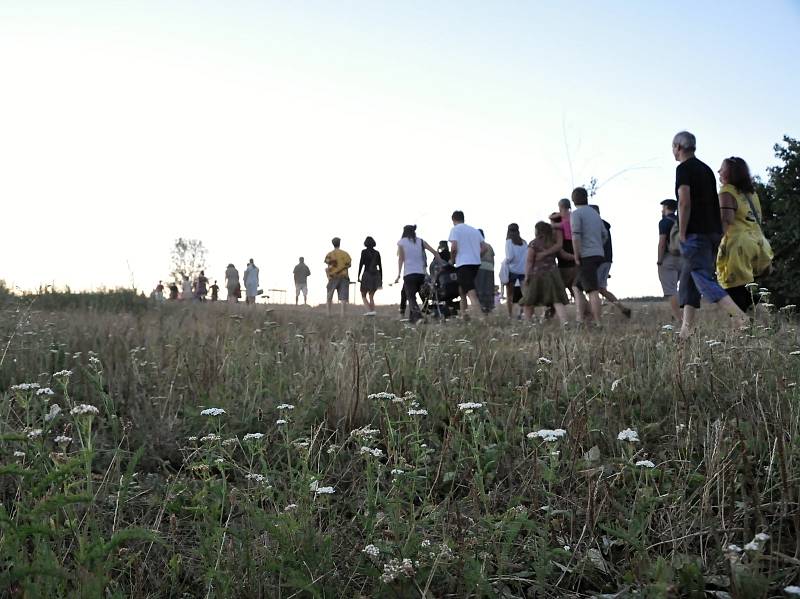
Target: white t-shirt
point(468, 240)
point(413, 258)
point(516, 256)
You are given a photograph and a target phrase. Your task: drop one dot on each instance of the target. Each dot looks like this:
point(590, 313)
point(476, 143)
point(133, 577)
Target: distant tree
point(188, 258)
point(780, 201)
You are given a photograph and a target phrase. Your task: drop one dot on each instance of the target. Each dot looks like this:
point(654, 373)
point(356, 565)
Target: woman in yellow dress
point(744, 252)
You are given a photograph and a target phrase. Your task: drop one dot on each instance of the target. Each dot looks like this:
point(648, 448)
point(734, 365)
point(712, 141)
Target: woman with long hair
point(516, 255)
point(543, 285)
point(370, 274)
point(411, 261)
point(484, 281)
point(744, 253)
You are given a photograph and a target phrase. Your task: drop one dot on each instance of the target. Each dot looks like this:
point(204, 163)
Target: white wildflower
point(324, 491)
point(192, 438)
point(376, 453)
point(795, 352)
point(567, 548)
point(752, 546)
point(366, 431)
point(382, 395)
point(34, 433)
point(469, 406)
point(212, 412)
point(418, 412)
point(751, 286)
point(792, 590)
point(762, 537)
point(667, 327)
point(645, 464)
point(210, 438)
point(548, 435)
point(371, 550)
point(397, 472)
point(63, 373)
point(629, 435)
point(285, 406)
point(45, 391)
point(734, 548)
point(25, 387)
point(615, 384)
point(253, 437)
point(230, 442)
point(281, 421)
point(63, 439)
point(84, 410)
point(290, 507)
point(259, 478)
point(55, 410)
point(544, 360)
point(19, 454)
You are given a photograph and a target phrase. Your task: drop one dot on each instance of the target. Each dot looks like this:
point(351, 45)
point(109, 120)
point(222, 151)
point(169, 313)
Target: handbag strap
point(752, 208)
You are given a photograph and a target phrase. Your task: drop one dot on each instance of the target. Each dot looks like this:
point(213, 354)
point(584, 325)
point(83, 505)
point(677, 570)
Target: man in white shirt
point(466, 244)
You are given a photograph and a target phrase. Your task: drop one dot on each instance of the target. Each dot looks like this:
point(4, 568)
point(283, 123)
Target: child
point(543, 285)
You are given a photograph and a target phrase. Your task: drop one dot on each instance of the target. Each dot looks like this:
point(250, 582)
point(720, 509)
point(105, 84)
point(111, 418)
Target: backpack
point(674, 239)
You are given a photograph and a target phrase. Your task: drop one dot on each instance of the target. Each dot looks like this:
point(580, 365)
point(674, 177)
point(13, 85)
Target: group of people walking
point(710, 246)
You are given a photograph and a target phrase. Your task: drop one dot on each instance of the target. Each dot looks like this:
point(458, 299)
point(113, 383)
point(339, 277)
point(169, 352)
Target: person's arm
point(431, 250)
point(379, 263)
point(453, 250)
point(556, 247)
point(576, 247)
point(684, 209)
point(361, 265)
point(662, 247)
point(401, 257)
point(483, 247)
point(727, 210)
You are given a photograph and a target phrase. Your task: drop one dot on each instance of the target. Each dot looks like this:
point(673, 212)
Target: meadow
point(219, 451)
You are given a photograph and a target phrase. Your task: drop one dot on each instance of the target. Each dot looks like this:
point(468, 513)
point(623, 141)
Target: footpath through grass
point(215, 451)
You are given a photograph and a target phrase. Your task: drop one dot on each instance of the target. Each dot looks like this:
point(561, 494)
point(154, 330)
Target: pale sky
point(266, 128)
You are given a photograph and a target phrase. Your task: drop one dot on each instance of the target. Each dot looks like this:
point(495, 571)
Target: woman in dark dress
point(370, 274)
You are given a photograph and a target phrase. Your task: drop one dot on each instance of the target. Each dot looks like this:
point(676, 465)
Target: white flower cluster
point(374, 452)
point(418, 412)
point(63, 373)
point(55, 410)
point(281, 421)
point(84, 410)
point(544, 360)
point(229, 442)
point(667, 327)
point(793, 590)
point(365, 432)
point(383, 395)
point(253, 437)
point(317, 490)
point(795, 352)
point(62, 439)
point(758, 542)
point(645, 464)
point(19, 454)
point(212, 412)
point(259, 478)
point(548, 435)
point(397, 472)
point(371, 550)
point(45, 391)
point(469, 406)
point(285, 406)
point(394, 568)
point(290, 507)
point(25, 387)
point(629, 435)
point(34, 433)
point(210, 438)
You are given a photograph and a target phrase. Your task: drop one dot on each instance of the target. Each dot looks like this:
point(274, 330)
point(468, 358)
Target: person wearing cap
point(669, 255)
point(338, 262)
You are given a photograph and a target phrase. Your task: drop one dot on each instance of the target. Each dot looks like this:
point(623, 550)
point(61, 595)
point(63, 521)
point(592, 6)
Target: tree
point(780, 201)
point(188, 258)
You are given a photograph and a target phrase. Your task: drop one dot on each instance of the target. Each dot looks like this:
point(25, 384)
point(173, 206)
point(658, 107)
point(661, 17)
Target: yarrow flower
point(418, 412)
point(376, 453)
point(382, 395)
point(281, 422)
point(792, 590)
point(371, 550)
point(615, 384)
point(544, 360)
point(210, 438)
point(468, 406)
point(253, 437)
point(397, 472)
point(548, 435)
point(25, 387)
point(751, 286)
point(290, 507)
point(34, 433)
point(259, 478)
point(62, 439)
point(629, 435)
point(63, 373)
point(84, 410)
point(365, 431)
point(645, 464)
point(212, 412)
point(667, 327)
point(45, 391)
point(19, 454)
point(285, 406)
point(55, 410)
point(314, 486)
point(795, 352)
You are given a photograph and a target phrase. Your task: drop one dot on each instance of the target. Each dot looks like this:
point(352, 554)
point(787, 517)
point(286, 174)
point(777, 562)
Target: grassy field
point(366, 458)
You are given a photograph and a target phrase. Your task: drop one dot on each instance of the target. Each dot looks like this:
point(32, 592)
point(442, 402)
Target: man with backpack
point(669, 255)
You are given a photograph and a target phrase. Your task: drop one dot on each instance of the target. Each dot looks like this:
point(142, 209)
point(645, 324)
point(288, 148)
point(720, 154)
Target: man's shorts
point(466, 276)
point(587, 273)
point(301, 288)
point(669, 273)
point(602, 275)
point(341, 285)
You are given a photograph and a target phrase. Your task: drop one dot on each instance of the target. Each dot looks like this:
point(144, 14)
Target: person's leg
point(705, 279)
point(510, 298)
point(595, 305)
point(364, 299)
point(675, 308)
point(372, 300)
point(741, 296)
point(412, 284)
point(580, 304)
point(561, 312)
point(528, 312)
point(331, 288)
point(688, 294)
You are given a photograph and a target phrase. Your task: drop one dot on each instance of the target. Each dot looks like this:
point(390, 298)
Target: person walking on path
point(516, 256)
point(744, 252)
point(250, 282)
point(411, 263)
point(201, 287)
point(700, 234)
point(186, 288)
point(604, 272)
point(484, 282)
point(466, 246)
point(301, 273)
point(588, 238)
point(338, 262)
point(232, 283)
point(543, 285)
point(370, 274)
point(214, 292)
point(669, 255)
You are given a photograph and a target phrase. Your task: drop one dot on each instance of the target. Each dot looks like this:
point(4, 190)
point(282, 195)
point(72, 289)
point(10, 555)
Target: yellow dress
point(744, 252)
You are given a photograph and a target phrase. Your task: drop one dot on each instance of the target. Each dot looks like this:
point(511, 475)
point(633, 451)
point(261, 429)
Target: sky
point(266, 128)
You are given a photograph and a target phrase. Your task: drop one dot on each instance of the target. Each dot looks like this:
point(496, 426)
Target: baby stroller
point(440, 294)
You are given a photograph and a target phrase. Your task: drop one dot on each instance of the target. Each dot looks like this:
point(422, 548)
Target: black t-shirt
point(370, 261)
point(608, 249)
point(704, 215)
point(665, 224)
